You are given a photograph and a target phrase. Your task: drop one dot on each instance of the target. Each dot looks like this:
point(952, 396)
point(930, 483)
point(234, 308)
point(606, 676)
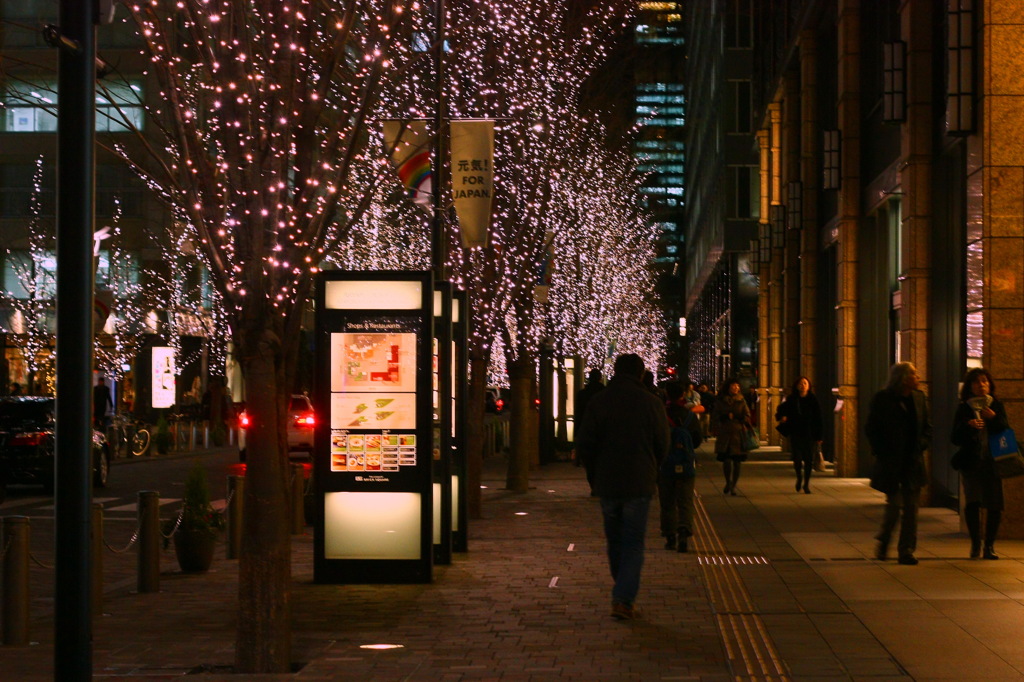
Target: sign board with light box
point(373, 449)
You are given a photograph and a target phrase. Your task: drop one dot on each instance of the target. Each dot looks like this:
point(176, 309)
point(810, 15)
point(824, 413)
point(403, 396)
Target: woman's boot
point(992, 518)
point(973, 529)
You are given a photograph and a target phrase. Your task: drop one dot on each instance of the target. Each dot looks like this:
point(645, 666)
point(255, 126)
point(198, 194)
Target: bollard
point(149, 541)
point(298, 504)
point(16, 599)
point(96, 529)
point(236, 495)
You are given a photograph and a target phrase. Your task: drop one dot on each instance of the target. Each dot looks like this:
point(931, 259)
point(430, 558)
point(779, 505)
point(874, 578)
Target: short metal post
point(149, 541)
point(298, 503)
point(16, 598)
point(236, 495)
point(97, 558)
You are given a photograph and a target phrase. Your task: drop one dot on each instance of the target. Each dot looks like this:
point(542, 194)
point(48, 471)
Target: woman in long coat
point(978, 416)
point(731, 415)
point(799, 418)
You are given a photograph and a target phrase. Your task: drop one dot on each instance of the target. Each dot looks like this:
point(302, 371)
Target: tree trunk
point(264, 570)
point(475, 432)
point(523, 428)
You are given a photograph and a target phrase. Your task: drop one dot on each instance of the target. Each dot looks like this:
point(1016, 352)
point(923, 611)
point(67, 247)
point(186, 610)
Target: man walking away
point(899, 430)
point(622, 440)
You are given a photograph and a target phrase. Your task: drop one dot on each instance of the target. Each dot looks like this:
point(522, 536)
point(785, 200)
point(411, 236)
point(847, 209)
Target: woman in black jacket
point(799, 418)
point(979, 416)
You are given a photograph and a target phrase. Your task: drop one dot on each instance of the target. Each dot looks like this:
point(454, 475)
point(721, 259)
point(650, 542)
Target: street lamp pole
point(76, 116)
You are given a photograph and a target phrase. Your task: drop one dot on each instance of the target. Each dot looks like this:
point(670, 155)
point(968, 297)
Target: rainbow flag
point(407, 143)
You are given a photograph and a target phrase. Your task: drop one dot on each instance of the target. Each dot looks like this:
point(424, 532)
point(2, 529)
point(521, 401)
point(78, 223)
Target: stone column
point(776, 292)
point(791, 255)
point(848, 226)
point(916, 178)
point(810, 176)
point(996, 195)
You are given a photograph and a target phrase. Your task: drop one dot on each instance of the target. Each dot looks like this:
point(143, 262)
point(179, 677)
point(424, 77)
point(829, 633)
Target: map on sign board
point(384, 362)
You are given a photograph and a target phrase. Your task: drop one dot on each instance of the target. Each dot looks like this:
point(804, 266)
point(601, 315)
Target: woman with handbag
point(730, 417)
point(799, 418)
point(978, 416)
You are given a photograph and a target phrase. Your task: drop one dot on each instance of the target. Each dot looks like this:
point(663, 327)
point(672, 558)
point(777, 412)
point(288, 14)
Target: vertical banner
point(472, 150)
point(408, 144)
point(163, 377)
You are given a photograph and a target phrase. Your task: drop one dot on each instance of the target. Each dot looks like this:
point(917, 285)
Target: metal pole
point(97, 558)
point(76, 115)
point(15, 594)
point(149, 541)
point(438, 251)
point(236, 493)
point(298, 500)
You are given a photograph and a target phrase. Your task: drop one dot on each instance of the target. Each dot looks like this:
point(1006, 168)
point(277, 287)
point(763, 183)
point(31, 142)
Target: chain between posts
point(177, 525)
point(135, 537)
point(7, 546)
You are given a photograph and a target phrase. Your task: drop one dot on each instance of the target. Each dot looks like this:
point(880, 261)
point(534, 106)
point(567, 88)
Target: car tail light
point(499, 404)
point(307, 420)
point(27, 439)
point(243, 420)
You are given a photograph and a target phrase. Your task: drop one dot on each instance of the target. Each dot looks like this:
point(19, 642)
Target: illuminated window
point(32, 107)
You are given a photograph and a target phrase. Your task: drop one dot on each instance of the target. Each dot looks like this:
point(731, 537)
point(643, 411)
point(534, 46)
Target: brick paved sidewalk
point(529, 601)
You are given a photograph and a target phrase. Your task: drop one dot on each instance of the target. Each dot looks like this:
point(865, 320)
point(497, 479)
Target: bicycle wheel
point(140, 442)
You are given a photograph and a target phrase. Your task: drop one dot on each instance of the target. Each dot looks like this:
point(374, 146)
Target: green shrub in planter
point(162, 439)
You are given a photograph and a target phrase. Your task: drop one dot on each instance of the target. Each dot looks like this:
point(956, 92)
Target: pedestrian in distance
point(707, 399)
point(678, 474)
point(102, 403)
point(899, 429)
point(799, 419)
point(622, 441)
point(978, 416)
point(594, 385)
point(729, 418)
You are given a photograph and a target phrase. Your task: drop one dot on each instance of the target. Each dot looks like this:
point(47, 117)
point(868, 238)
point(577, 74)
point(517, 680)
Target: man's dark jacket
point(898, 448)
point(623, 438)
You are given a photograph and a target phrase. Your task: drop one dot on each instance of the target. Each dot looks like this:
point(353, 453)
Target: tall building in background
point(722, 206)
point(659, 113)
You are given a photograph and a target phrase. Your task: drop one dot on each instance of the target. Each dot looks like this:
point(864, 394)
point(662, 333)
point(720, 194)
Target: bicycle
point(133, 436)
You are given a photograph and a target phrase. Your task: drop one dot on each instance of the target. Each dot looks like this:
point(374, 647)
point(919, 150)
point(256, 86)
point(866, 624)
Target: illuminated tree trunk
point(475, 432)
point(264, 569)
point(523, 437)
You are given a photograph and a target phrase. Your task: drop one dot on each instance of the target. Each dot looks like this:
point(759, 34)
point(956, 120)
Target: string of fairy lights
point(268, 148)
point(33, 306)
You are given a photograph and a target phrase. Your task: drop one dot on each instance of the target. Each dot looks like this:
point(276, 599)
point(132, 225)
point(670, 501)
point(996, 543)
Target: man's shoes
point(622, 611)
point(727, 488)
point(807, 489)
point(907, 560)
point(975, 549)
point(989, 553)
point(881, 551)
point(682, 544)
point(798, 485)
point(670, 542)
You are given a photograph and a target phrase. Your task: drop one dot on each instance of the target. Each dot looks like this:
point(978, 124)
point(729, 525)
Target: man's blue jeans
point(625, 525)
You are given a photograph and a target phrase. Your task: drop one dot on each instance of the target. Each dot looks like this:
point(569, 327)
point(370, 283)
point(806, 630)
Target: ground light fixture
point(381, 647)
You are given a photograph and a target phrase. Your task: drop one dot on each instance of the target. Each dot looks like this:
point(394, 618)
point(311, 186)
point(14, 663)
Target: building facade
point(722, 205)
point(892, 210)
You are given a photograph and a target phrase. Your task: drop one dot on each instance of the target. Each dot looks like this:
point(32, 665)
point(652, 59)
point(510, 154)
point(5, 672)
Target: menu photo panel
point(373, 397)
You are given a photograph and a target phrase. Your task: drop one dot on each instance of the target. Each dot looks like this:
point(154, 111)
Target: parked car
point(301, 420)
point(27, 444)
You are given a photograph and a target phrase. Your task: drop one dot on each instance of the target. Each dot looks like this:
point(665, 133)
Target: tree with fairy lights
point(265, 155)
point(119, 337)
point(34, 273)
point(523, 63)
point(604, 245)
